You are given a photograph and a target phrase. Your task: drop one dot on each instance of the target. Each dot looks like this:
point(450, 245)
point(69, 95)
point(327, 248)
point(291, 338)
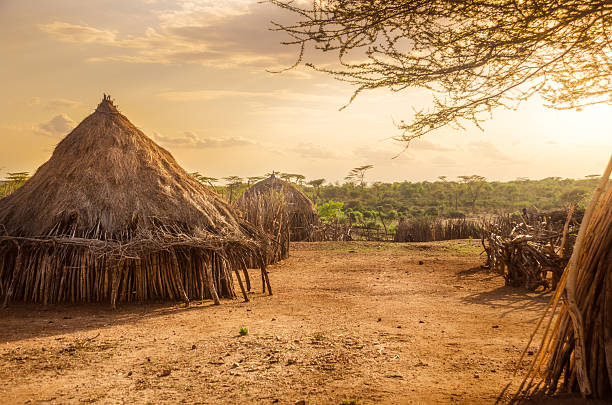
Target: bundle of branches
point(433, 229)
point(576, 349)
point(526, 251)
point(302, 214)
point(112, 216)
point(332, 231)
point(271, 214)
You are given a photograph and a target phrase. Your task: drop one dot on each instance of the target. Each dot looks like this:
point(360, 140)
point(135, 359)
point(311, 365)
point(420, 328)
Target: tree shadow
point(487, 274)
point(510, 299)
point(565, 399)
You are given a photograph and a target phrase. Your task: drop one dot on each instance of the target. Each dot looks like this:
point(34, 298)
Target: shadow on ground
point(509, 299)
point(26, 321)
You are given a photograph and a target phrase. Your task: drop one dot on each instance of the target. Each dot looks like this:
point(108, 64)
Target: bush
point(331, 210)
point(431, 212)
point(456, 214)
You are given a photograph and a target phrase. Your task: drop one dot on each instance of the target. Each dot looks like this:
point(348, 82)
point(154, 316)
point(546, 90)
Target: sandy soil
point(348, 323)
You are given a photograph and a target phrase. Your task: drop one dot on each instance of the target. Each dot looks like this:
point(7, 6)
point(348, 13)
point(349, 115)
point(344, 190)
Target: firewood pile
point(531, 251)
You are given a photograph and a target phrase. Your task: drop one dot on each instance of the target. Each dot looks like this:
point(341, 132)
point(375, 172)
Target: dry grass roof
point(107, 180)
point(112, 216)
point(297, 201)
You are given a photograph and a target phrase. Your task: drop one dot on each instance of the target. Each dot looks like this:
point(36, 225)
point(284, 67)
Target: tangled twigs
point(525, 252)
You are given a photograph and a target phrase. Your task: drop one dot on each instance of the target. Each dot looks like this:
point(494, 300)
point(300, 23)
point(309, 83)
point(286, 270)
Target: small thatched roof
point(300, 210)
point(298, 201)
point(107, 180)
point(113, 216)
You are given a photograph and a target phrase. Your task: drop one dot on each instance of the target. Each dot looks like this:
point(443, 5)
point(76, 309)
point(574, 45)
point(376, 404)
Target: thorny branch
point(473, 56)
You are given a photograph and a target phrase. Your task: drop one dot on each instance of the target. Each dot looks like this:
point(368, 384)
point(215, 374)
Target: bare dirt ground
point(348, 323)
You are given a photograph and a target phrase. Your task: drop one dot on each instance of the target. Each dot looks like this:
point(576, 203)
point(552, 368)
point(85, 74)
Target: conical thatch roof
point(301, 210)
point(108, 180)
point(115, 197)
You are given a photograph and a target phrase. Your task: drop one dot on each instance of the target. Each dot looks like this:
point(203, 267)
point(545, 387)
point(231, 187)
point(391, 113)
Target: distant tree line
point(378, 203)
point(384, 203)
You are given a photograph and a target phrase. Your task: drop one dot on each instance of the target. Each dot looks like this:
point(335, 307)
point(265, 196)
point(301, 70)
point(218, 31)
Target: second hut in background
point(282, 210)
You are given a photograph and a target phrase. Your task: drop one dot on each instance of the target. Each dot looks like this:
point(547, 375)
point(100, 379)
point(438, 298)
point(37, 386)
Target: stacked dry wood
point(527, 251)
point(576, 350)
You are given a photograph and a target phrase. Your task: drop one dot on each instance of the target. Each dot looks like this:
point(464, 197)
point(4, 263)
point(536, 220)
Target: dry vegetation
point(353, 321)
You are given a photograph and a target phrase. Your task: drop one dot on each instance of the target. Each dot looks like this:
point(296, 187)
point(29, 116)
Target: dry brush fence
point(525, 250)
point(434, 229)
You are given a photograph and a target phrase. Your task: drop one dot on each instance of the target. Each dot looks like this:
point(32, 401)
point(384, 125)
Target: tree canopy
point(473, 56)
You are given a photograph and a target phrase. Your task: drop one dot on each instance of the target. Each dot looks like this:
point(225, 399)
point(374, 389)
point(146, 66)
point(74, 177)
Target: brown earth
point(354, 322)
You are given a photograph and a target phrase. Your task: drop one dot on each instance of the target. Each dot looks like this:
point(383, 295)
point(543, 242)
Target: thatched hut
point(282, 211)
point(301, 211)
point(113, 217)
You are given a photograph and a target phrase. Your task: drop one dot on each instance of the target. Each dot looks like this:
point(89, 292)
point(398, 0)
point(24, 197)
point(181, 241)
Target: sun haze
point(194, 76)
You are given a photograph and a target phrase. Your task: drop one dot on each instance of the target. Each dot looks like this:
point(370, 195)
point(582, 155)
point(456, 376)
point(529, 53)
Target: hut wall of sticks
point(575, 352)
point(283, 211)
point(113, 217)
point(531, 250)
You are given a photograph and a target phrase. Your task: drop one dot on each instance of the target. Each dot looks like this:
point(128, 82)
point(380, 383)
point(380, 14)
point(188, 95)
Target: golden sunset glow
point(192, 75)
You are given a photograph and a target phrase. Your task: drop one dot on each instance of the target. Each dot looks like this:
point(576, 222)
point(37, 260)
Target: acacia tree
point(233, 183)
point(254, 179)
point(474, 186)
point(316, 185)
point(357, 174)
point(205, 180)
point(473, 56)
point(12, 182)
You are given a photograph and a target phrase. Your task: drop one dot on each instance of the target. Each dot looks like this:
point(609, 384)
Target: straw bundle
point(301, 212)
point(576, 350)
point(113, 217)
point(270, 212)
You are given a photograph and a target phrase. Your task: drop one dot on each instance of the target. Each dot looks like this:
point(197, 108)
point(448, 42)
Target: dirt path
point(348, 322)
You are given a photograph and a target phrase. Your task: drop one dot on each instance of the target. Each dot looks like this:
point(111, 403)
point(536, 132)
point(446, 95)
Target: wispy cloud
point(216, 94)
point(193, 141)
point(442, 161)
point(487, 150)
point(59, 125)
point(228, 33)
point(314, 151)
point(424, 144)
point(79, 34)
point(61, 104)
point(381, 155)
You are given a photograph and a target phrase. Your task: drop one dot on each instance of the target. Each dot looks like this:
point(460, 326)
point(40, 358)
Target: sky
point(195, 77)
